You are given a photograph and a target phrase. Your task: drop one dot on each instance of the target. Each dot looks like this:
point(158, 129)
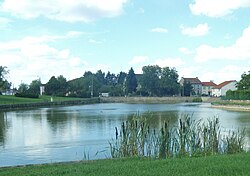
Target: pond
point(58, 134)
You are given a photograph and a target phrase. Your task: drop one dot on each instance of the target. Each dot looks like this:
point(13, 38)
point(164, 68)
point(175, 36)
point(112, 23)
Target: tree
point(187, 89)
point(23, 88)
point(100, 76)
point(52, 86)
point(169, 82)
point(4, 84)
point(121, 78)
point(131, 81)
point(150, 80)
point(244, 83)
point(34, 86)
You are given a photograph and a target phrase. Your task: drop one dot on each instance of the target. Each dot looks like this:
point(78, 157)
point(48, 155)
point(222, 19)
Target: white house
point(207, 88)
point(222, 88)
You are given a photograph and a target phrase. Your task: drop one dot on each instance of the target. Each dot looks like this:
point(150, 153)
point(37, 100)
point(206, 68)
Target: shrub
point(198, 99)
point(27, 95)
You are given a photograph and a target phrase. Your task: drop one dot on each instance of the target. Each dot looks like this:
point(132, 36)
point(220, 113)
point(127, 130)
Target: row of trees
point(154, 81)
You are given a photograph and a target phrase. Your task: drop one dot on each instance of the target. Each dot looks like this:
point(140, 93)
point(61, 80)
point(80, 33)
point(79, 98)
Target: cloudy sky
point(209, 39)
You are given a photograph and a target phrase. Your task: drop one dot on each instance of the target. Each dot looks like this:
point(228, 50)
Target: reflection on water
point(67, 133)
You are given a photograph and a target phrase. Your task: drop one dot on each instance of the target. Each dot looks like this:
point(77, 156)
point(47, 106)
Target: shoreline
point(232, 107)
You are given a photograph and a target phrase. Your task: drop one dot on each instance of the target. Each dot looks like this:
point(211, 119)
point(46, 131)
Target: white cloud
point(138, 60)
point(199, 30)
point(33, 56)
point(4, 22)
point(66, 10)
point(229, 72)
point(94, 41)
point(159, 30)
point(217, 8)
point(240, 50)
point(185, 50)
point(169, 62)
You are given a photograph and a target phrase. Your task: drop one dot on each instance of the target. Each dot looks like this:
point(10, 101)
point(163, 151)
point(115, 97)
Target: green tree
point(150, 79)
point(52, 86)
point(34, 86)
point(244, 83)
point(23, 88)
point(169, 82)
point(186, 89)
point(121, 78)
point(63, 86)
point(4, 84)
point(131, 81)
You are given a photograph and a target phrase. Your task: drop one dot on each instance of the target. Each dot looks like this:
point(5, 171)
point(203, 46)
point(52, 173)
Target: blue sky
point(209, 39)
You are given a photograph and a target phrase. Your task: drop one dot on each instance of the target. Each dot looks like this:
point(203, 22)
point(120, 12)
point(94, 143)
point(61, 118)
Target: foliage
point(56, 86)
point(198, 99)
point(34, 86)
point(238, 95)
point(187, 89)
point(23, 88)
point(189, 138)
point(244, 83)
point(157, 81)
point(27, 94)
point(4, 84)
point(131, 82)
point(169, 82)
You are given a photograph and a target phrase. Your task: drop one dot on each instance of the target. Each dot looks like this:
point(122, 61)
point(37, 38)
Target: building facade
point(207, 88)
point(195, 83)
point(221, 89)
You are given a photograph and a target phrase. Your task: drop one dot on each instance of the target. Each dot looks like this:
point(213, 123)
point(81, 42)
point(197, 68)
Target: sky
point(208, 39)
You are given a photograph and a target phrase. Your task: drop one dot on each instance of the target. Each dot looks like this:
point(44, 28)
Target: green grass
point(233, 103)
point(18, 100)
point(237, 164)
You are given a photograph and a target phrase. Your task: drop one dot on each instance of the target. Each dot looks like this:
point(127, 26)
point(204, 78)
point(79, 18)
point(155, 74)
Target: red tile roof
point(223, 84)
point(208, 84)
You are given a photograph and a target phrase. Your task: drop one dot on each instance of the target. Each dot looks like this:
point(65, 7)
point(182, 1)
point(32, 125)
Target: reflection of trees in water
point(157, 119)
point(57, 119)
point(3, 128)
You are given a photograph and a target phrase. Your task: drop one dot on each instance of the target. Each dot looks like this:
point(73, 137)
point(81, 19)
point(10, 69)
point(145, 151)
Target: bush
point(238, 95)
point(27, 95)
point(198, 99)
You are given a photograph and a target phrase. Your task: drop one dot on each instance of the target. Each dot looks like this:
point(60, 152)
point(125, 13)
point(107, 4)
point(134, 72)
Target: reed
point(137, 138)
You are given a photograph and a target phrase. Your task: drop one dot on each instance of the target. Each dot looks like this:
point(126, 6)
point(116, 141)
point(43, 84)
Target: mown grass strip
point(237, 164)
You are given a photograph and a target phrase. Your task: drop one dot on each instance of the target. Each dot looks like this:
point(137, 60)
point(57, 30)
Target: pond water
point(59, 134)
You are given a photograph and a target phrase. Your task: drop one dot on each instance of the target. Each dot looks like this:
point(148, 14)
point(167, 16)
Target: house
point(222, 88)
point(207, 88)
point(195, 83)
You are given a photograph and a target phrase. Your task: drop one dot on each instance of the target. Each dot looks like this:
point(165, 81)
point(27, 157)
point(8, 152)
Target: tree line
point(154, 81)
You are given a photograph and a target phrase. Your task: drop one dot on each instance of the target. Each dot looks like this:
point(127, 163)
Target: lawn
point(4, 99)
point(237, 164)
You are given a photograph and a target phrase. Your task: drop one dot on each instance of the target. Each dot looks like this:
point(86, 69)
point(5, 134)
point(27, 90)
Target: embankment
point(49, 104)
point(146, 100)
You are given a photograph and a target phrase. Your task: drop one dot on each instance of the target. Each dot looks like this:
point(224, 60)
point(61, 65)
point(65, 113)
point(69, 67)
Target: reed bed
point(136, 138)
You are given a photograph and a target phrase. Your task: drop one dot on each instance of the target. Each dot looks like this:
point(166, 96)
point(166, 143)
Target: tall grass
point(189, 138)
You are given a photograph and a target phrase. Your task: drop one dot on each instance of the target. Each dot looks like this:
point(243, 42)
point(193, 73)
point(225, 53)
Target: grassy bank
point(18, 100)
point(147, 100)
point(13, 103)
point(237, 164)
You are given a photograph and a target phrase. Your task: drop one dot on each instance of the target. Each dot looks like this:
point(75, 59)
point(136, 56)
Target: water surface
point(73, 133)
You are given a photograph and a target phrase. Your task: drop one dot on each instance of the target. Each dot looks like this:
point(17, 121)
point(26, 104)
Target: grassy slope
point(214, 165)
point(18, 100)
